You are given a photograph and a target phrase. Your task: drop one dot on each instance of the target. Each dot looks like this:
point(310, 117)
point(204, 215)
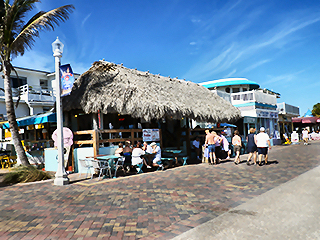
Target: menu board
point(150, 135)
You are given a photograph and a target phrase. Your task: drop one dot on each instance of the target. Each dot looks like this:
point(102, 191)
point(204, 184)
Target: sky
point(274, 43)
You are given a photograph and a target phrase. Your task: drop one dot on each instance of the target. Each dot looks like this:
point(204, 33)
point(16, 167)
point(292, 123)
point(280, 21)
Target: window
point(228, 90)
point(244, 89)
point(236, 97)
point(235, 90)
point(46, 109)
point(44, 83)
point(15, 83)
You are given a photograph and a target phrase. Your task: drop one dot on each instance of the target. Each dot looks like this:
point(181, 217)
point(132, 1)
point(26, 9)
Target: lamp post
point(61, 177)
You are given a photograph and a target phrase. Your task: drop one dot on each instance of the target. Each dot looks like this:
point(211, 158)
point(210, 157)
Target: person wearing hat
point(157, 158)
point(262, 142)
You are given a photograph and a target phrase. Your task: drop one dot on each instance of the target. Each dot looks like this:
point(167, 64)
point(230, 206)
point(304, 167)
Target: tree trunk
point(12, 116)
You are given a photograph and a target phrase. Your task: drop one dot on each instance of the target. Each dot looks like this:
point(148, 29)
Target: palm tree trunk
point(12, 116)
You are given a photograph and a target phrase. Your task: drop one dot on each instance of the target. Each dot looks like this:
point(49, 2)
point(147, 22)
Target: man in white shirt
point(147, 148)
point(262, 142)
point(305, 136)
point(157, 157)
point(196, 146)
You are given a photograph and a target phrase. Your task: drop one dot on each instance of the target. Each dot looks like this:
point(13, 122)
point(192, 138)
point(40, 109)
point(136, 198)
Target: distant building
point(37, 92)
point(258, 106)
point(286, 113)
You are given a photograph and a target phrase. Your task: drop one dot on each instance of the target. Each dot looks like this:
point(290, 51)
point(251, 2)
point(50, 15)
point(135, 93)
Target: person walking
point(210, 143)
point(225, 146)
point(262, 142)
point(251, 146)
point(236, 142)
point(218, 141)
point(305, 136)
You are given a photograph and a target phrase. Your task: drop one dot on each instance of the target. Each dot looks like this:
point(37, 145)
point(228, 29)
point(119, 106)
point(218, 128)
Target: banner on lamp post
point(67, 79)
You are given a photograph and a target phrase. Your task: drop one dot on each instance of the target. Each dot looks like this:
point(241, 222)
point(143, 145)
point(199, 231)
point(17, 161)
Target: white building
point(37, 92)
point(286, 113)
point(258, 106)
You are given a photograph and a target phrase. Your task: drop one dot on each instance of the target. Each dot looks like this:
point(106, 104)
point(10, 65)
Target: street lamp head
point(57, 48)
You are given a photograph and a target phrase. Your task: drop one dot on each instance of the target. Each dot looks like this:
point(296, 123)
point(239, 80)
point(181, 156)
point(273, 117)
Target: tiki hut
point(112, 88)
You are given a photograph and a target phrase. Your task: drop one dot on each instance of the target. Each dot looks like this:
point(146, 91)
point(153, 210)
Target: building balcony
point(224, 95)
point(287, 109)
point(253, 96)
point(35, 93)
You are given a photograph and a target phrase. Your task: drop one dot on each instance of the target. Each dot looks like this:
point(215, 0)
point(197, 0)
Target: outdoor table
point(148, 157)
point(175, 153)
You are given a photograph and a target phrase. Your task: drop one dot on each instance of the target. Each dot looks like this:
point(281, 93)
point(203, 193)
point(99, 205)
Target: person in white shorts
point(262, 142)
point(305, 136)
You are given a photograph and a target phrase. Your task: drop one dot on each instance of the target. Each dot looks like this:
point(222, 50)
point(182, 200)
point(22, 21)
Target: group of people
point(218, 146)
point(135, 156)
point(258, 143)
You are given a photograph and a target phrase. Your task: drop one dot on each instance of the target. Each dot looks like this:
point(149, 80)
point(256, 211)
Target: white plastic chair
point(119, 164)
point(85, 163)
point(100, 166)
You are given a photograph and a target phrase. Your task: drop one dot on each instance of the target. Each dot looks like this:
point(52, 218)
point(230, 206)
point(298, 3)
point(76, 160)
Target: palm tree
point(16, 36)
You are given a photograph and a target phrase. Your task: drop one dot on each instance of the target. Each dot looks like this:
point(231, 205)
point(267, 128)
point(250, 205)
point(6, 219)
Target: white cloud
point(35, 60)
point(193, 43)
point(219, 60)
point(195, 20)
point(255, 65)
point(85, 19)
point(231, 73)
point(284, 78)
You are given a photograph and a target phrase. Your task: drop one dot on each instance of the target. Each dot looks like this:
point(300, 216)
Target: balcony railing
point(224, 95)
point(253, 96)
point(285, 108)
point(36, 93)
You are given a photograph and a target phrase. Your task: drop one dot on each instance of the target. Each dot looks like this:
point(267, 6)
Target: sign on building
point(150, 135)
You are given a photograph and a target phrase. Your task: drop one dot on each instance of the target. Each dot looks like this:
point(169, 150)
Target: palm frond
point(15, 15)
point(2, 10)
point(39, 22)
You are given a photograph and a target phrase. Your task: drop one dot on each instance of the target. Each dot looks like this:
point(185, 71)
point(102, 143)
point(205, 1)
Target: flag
point(67, 79)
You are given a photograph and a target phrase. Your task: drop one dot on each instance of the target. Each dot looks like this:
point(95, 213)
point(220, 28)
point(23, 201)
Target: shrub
point(23, 174)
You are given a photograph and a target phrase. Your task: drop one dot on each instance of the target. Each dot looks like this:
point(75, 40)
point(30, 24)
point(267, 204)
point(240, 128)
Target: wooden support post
point(95, 138)
point(132, 136)
point(160, 134)
point(188, 138)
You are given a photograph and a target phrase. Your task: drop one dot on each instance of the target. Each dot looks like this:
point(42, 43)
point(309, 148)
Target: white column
point(61, 177)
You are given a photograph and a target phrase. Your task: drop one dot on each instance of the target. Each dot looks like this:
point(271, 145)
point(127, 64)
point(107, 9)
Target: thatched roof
point(112, 88)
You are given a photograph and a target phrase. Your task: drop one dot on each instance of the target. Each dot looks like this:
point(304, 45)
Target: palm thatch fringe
point(112, 88)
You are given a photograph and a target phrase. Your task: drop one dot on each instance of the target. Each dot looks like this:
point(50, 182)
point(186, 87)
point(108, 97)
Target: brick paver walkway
point(158, 205)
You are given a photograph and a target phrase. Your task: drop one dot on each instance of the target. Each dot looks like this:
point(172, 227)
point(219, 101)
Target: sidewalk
point(290, 211)
point(165, 204)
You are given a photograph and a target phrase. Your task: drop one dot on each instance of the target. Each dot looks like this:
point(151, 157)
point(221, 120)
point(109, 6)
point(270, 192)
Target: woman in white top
point(137, 152)
point(236, 142)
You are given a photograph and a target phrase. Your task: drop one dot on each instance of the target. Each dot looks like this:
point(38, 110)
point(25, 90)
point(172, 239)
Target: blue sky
point(274, 43)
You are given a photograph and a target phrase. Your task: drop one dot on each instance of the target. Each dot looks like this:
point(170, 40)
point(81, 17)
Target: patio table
point(148, 157)
point(175, 153)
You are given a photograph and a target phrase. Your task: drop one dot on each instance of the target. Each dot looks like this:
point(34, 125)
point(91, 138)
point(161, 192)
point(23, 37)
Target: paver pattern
point(157, 205)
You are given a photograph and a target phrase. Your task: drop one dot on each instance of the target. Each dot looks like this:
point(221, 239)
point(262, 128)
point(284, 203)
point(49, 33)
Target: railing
point(253, 96)
point(96, 137)
point(223, 94)
point(36, 93)
point(285, 108)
